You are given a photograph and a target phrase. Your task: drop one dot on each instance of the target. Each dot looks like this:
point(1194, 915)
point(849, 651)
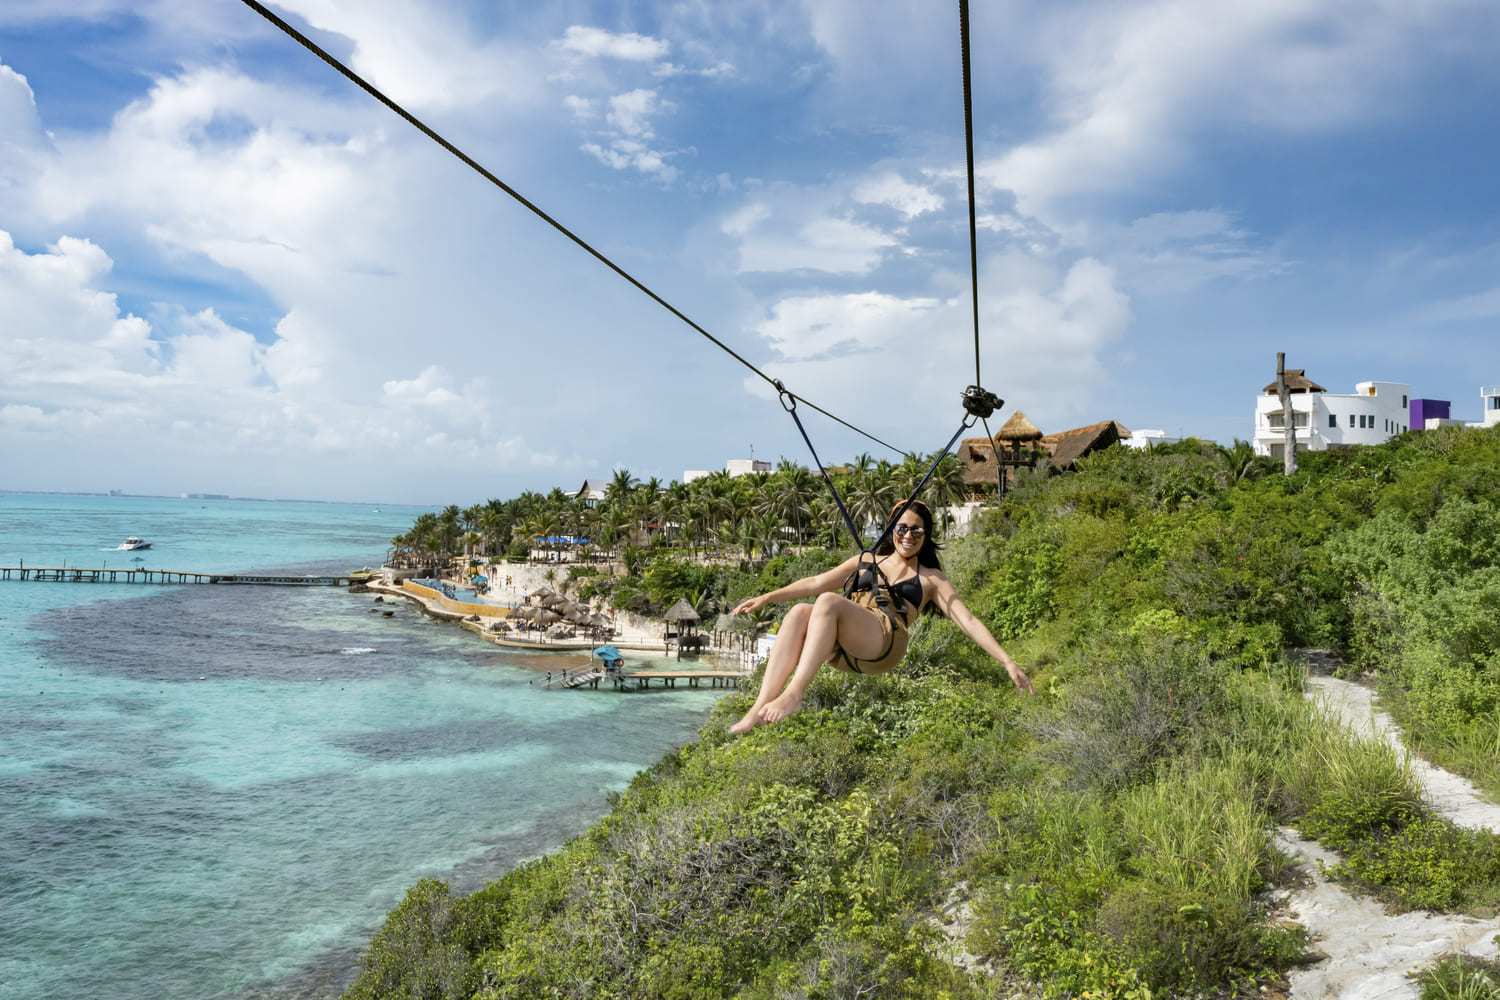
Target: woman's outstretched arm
point(808, 586)
point(953, 606)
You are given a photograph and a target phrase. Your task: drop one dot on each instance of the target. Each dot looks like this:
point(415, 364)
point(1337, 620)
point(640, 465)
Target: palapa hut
point(990, 465)
point(1019, 443)
point(685, 619)
point(981, 470)
point(1016, 446)
point(1064, 449)
point(1296, 381)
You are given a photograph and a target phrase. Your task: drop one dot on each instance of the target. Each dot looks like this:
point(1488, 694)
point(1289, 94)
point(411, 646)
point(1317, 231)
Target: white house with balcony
point(1373, 413)
point(1490, 394)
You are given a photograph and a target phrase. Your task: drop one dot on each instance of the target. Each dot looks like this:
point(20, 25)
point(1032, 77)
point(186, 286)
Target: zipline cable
point(963, 45)
point(479, 168)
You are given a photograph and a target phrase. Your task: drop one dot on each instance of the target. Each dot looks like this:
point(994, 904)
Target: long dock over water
point(107, 575)
point(640, 680)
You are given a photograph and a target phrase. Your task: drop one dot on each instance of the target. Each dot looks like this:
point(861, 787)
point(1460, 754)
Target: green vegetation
point(1112, 836)
point(1460, 977)
point(714, 518)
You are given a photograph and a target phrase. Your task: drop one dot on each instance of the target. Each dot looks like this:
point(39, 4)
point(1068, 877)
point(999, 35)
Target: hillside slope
point(1115, 834)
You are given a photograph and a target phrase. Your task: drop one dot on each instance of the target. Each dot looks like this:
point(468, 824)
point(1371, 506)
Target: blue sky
point(223, 269)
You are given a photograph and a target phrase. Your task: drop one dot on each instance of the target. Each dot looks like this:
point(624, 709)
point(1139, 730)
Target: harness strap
point(896, 622)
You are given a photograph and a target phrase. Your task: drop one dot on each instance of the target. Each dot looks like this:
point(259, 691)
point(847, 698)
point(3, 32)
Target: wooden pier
point(640, 680)
point(105, 575)
point(669, 678)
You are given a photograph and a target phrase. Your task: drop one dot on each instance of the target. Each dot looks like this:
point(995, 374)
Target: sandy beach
point(630, 636)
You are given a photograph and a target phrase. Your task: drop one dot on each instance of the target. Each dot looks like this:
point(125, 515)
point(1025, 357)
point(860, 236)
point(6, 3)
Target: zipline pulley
point(980, 402)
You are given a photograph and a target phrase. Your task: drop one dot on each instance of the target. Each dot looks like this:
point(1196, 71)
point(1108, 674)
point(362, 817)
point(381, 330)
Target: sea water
point(215, 791)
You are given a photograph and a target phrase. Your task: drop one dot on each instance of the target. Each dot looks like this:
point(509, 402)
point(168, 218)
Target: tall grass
point(1459, 977)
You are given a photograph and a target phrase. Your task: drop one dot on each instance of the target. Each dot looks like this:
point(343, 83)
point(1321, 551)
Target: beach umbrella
point(551, 601)
point(607, 653)
point(548, 617)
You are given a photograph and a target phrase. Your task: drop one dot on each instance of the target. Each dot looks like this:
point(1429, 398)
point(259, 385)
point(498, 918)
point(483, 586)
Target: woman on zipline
point(865, 634)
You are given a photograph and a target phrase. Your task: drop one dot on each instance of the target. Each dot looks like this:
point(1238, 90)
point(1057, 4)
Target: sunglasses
point(914, 530)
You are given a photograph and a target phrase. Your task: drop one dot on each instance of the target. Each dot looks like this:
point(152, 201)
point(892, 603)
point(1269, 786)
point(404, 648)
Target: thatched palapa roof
point(1296, 381)
point(1068, 447)
point(1018, 428)
point(978, 458)
point(682, 611)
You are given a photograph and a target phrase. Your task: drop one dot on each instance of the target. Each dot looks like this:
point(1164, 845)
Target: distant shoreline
point(219, 499)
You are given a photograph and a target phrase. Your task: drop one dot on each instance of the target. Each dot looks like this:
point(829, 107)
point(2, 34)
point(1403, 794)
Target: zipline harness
point(978, 402)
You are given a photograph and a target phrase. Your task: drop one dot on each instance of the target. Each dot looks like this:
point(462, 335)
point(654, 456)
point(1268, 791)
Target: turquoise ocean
point(211, 791)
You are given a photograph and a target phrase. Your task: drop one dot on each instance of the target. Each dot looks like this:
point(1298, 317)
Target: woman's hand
point(750, 605)
point(1018, 677)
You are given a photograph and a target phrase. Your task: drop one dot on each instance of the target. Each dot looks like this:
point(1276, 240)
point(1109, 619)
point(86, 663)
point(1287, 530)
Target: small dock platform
point(640, 680)
point(669, 678)
point(108, 575)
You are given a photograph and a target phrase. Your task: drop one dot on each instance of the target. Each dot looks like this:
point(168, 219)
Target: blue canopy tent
point(610, 655)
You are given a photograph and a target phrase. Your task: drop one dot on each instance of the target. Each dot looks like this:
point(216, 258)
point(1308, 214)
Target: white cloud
point(429, 388)
point(631, 112)
point(1461, 309)
point(1129, 87)
point(426, 56)
point(23, 145)
point(627, 154)
point(809, 327)
point(1045, 331)
point(625, 143)
point(582, 107)
point(717, 71)
point(894, 191)
point(206, 386)
point(791, 229)
point(594, 42)
point(50, 298)
point(1169, 252)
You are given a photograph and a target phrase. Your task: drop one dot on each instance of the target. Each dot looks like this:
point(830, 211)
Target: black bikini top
point(909, 590)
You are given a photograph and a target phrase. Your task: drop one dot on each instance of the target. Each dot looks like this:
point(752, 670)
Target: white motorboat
point(134, 544)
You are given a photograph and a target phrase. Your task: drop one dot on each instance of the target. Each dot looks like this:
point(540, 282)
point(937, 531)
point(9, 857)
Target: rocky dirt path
point(1450, 796)
point(1371, 953)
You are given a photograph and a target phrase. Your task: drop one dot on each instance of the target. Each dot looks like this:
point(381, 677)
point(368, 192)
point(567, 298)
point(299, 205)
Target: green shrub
point(1427, 864)
point(1461, 977)
point(1127, 705)
point(423, 951)
point(1022, 589)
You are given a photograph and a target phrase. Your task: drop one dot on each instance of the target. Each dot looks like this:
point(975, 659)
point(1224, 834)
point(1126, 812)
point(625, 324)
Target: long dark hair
point(928, 555)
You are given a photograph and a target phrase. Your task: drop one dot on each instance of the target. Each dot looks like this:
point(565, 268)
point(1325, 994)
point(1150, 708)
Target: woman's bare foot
point(750, 720)
point(780, 708)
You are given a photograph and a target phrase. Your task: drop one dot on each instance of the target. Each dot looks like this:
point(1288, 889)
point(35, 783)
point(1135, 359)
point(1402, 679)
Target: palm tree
point(945, 490)
point(620, 487)
point(1239, 461)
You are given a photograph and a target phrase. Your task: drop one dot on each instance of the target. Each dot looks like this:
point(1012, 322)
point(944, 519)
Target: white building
point(746, 466)
point(1148, 437)
point(1374, 412)
point(688, 475)
point(592, 492)
point(1491, 396)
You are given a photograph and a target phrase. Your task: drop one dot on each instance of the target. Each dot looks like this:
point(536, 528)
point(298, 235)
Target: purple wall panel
point(1423, 410)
